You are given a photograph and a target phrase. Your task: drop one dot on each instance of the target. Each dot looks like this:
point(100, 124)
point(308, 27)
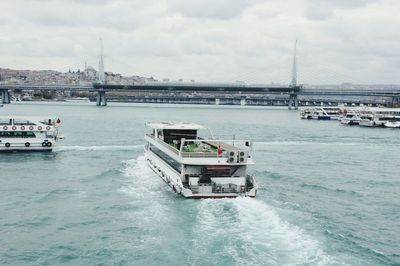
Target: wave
point(251, 232)
point(142, 182)
point(98, 148)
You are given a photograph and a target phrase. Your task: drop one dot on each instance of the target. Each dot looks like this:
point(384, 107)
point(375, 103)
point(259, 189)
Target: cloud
point(324, 9)
point(210, 9)
point(250, 40)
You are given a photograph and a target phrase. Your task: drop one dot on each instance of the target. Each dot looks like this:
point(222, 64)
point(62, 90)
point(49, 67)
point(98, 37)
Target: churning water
point(329, 194)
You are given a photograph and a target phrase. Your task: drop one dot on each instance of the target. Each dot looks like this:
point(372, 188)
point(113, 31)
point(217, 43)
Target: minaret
point(101, 64)
point(294, 67)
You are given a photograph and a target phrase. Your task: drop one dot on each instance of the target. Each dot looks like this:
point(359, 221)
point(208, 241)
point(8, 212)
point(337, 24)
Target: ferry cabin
point(321, 113)
point(28, 134)
point(198, 167)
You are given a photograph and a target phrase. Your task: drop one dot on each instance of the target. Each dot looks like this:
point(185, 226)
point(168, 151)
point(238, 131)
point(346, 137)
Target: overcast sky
point(208, 40)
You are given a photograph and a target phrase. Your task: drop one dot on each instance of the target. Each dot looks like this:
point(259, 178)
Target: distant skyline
point(208, 40)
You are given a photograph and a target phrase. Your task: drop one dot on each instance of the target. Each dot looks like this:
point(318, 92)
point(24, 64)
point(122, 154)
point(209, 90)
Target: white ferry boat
point(197, 167)
point(350, 117)
point(394, 123)
point(321, 113)
point(367, 120)
point(28, 133)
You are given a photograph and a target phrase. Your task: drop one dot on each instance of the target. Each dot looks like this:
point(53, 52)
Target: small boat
point(198, 167)
point(392, 124)
point(321, 113)
point(350, 117)
point(28, 134)
point(366, 120)
point(392, 121)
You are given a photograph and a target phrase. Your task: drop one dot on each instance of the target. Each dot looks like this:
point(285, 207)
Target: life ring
point(7, 145)
point(22, 127)
point(30, 127)
point(49, 144)
point(39, 128)
point(5, 127)
point(44, 144)
point(48, 128)
point(14, 128)
point(27, 144)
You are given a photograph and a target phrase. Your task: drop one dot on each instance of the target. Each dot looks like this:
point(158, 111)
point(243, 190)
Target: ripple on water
point(249, 231)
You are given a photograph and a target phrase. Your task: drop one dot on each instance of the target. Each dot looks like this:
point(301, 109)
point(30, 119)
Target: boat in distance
point(198, 167)
point(320, 113)
point(26, 134)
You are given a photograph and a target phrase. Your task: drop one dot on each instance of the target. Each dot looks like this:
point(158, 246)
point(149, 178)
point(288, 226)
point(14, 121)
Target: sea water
point(329, 194)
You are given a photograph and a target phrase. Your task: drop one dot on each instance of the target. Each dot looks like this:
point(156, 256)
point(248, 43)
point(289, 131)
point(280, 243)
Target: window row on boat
point(17, 134)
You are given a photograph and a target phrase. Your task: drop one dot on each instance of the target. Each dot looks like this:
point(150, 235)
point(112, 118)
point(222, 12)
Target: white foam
point(142, 182)
point(255, 234)
point(145, 189)
point(98, 148)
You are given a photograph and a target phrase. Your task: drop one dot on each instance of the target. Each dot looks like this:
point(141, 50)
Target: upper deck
point(23, 123)
point(181, 141)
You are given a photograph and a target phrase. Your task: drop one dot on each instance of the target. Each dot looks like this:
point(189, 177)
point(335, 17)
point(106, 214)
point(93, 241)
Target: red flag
point(219, 151)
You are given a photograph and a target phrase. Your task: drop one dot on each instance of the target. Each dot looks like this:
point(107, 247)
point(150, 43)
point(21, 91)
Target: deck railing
point(237, 145)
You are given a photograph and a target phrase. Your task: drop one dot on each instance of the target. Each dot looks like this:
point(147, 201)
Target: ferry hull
point(6, 147)
point(174, 181)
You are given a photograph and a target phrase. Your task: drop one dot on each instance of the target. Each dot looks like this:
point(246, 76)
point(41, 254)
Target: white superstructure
point(199, 167)
point(28, 133)
point(320, 113)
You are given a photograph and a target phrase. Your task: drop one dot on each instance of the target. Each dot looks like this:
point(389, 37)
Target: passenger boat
point(367, 120)
point(198, 167)
point(350, 117)
point(28, 134)
point(392, 123)
point(320, 113)
point(380, 117)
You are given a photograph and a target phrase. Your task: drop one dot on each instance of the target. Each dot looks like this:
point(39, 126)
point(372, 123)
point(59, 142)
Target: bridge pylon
point(5, 96)
point(101, 98)
point(293, 101)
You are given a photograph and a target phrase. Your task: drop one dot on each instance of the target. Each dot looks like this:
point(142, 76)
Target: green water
point(329, 194)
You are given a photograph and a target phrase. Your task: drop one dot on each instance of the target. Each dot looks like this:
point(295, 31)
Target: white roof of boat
point(172, 125)
point(26, 117)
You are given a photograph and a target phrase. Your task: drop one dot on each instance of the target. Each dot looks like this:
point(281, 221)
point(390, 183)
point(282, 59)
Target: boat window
point(5, 121)
point(21, 122)
point(175, 135)
point(171, 162)
point(47, 122)
point(17, 134)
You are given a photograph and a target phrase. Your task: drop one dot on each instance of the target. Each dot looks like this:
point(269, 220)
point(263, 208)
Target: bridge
point(212, 92)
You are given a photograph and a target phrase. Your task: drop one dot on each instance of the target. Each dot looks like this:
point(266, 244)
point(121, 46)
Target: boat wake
point(98, 148)
point(143, 182)
point(251, 232)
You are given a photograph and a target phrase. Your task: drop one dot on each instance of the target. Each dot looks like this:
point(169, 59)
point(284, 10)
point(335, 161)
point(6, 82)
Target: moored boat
point(28, 134)
point(198, 167)
point(321, 113)
point(350, 117)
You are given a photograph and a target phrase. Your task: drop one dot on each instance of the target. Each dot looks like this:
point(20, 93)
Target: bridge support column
point(101, 98)
point(293, 102)
point(5, 97)
point(396, 101)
